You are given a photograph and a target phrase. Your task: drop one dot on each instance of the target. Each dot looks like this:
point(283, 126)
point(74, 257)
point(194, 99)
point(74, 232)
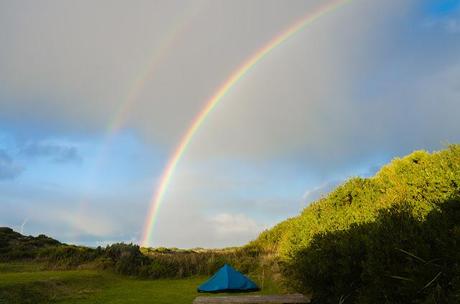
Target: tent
point(227, 279)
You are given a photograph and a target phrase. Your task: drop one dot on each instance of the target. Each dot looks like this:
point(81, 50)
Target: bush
point(365, 241)
point(127, 258)
point(396, 259)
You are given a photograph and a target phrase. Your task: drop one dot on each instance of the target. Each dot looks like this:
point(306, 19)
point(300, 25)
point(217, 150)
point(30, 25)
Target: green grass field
point(28, 283)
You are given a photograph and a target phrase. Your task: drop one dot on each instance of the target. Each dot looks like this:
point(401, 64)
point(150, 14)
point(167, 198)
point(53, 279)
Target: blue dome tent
point(227, 279)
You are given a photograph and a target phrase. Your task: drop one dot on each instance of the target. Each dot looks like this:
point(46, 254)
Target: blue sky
point(363, 84)
point(442, 7)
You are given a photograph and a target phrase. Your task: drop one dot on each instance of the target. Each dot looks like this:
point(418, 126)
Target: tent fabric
point(227, 279)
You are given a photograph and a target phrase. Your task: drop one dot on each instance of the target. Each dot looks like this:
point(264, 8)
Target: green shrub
point(127, 258)
point(365, 241)
point(396, 259)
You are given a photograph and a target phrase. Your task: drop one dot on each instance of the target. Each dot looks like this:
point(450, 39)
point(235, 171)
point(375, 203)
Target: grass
point(20, 267)
point(28, 283)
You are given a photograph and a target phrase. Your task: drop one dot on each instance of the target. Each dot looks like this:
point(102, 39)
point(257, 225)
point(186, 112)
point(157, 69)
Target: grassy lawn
point(29, 284)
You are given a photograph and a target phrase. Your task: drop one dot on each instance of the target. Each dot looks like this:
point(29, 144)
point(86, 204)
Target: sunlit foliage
point(390, 238)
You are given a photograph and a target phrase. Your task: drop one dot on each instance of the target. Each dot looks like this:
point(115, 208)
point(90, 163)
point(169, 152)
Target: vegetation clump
point(14, 246)
point(125, 259)
point(391, 238)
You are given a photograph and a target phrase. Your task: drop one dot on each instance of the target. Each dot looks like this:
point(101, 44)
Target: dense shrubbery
point(204, 262)
point(53, 254)
point(68, 256)
point(390, 238)
point(14, 245)
point(127, 259)
point(398, 258)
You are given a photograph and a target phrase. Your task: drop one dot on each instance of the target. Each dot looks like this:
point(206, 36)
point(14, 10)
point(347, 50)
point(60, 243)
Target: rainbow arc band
point(231, 81)
point(118, 120)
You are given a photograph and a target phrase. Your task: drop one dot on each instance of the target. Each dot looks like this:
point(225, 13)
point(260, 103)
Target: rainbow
point(128, 102)
point(159, 194)
point(177, 29)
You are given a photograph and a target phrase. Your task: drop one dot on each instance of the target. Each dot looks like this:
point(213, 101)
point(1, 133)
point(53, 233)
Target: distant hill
point(127, 259)
point(14, 245)
point(376, 239)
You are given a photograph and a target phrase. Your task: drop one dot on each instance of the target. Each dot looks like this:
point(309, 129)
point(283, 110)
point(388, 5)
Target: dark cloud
point(8, 168)
point(54, 152)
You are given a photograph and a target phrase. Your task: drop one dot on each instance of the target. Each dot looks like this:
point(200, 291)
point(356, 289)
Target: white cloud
point(99, 225)
point(453, 25)
point(228, 225)
point(450, 24)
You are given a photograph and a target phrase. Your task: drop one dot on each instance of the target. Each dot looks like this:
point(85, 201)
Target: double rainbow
point(159, 194)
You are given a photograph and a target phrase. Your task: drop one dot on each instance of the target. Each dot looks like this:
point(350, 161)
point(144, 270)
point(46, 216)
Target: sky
point(95, 96)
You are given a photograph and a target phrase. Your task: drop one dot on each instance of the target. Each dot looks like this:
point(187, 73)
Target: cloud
point(63, 217)
point(297, 105)
point(227, 225)
point(192, 228)
point(311, 113)
point(55, 152)
point(83, 87)
point(447, 24)
point(453, 25)
point(225, 208)
point(327, 111)
point(8, 168)
point(84, 224)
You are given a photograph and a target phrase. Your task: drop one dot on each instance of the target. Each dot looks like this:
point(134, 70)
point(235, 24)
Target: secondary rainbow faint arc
point(178, 28)
point(213, 102)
